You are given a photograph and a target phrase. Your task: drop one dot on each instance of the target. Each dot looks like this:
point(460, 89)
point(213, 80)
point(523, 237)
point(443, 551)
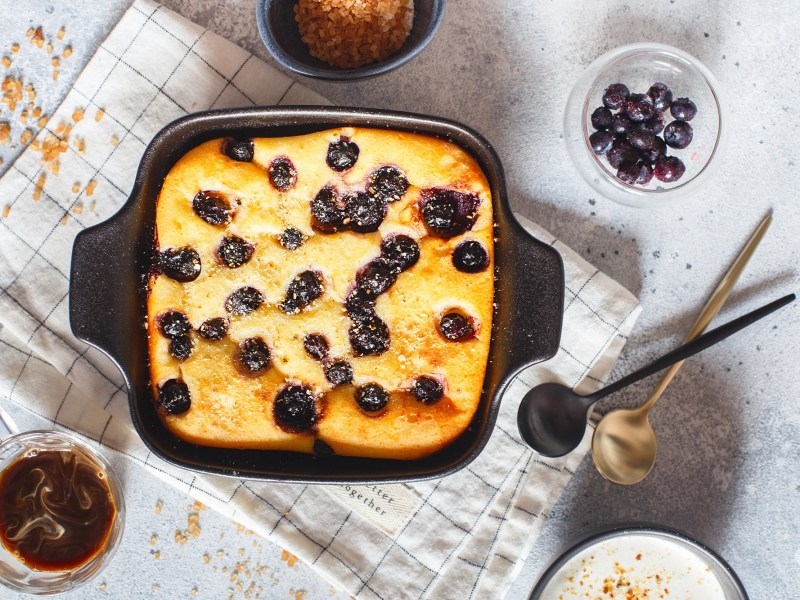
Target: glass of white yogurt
point(638, 562)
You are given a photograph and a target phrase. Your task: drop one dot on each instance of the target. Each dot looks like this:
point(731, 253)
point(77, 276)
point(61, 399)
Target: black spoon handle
point(698, 344)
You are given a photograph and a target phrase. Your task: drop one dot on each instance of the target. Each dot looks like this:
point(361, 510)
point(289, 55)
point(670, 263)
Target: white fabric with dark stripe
point(471, 530)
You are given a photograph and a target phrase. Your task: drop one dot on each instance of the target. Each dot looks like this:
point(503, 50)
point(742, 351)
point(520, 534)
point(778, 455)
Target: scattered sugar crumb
point(153, 539)
point(220, 553)
point(63, 220)
point(5, 132)
point(67, 52)
point(50, 47)
point(114, 140)
point(92, 205)
point(15, 47)
point(55, 75)
point(290, 558)
point(55, 61)
point(78, 208)
point(90, 187)
point(194, 591)
point(206, 558)
point(12, 91)
point(100, 113)
point(76, 187)
point(37, 38)
point(77, 114)
point(29, 33)
point(102, 587)
point(157, 554)
point(61, 32)
point(26, 137)
point(6, 211)
point(6, 62)
point(37, 191)
point(159, 505)
point(298, 594)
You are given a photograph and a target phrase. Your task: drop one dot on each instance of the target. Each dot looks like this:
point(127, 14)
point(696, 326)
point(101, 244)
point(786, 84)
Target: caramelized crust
point(234, 407)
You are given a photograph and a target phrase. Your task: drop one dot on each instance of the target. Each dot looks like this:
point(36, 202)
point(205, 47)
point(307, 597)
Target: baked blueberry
point(678, 134)
point(448, 213)
point(470, 257)
point(254, 354)
point(174, 396)
point(282, 174)
point(400, 252)
point(233, 252)
point(456, 327)
point(342, 154)
point(214, 329)
point(339, 372)
point(180, 264)
point(244, 301)
point(295, 408)
point(302, 291)
point(369, 335)
point(387, 183)
point(427, 389)
point(240, 150)
point(322, 449)
point(661, 96)
point(316, 345)
point(364, 213)
point(327, 215)
point(371, 398)
point(683, 109)
point(173, 323)
point(359, 303)
point(375, 278)
point(213, 207)
point(615, 96)
point(181, 347)
point(292, 238)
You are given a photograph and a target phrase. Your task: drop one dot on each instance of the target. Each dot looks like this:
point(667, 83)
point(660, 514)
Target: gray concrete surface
point(728, 469)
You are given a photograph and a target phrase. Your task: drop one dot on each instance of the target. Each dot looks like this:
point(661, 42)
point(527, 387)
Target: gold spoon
point(624, 444)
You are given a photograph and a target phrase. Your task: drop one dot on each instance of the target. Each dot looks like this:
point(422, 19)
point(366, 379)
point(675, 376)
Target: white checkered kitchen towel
point(463, 536)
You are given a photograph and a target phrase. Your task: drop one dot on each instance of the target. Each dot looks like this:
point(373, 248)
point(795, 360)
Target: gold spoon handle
point(713, 306)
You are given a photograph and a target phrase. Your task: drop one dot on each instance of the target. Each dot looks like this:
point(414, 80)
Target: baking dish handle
point(103, 303)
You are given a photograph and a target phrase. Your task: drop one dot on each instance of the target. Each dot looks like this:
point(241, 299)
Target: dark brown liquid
point(56, 510)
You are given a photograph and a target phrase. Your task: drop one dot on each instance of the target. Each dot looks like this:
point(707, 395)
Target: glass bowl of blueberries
point(644, 124)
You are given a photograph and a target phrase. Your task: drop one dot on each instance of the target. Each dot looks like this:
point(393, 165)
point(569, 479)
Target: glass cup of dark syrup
point(61, 512)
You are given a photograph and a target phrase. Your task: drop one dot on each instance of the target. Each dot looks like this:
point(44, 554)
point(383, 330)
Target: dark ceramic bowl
point(280, 35)
point(732, 587)
point(110, 263)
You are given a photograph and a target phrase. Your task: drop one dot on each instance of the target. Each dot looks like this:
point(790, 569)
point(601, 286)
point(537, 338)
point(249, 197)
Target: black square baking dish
point(111, 261)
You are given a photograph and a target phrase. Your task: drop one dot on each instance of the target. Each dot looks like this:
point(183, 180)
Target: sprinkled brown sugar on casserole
point(330, 292)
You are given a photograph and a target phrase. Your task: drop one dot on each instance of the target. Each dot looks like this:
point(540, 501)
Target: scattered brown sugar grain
point(67, 52)
point(6, 62)
point(15, 48)
point(100, 114)
point(352, 33)
point(61, 32)
point(38, 37)
point(5, 132)
point(77, 114)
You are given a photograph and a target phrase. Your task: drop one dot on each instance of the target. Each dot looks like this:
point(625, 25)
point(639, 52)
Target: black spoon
point(552, 418)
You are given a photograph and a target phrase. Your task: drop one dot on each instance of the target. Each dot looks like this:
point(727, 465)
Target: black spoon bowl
point(552, 418)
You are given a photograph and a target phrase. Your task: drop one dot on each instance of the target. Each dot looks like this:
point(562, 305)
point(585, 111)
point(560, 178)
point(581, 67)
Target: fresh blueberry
point(448, 213)
point(214, 329)
point(316, 345)
point(327, 215)
point(173, 324)
point(427, 389)
point(615, 96)
point(302, 291)
point(678, 134)
point(601, 118)
point(669, 169)
point(339, 372)
point(254, 354)
point(621, 152)
point(683, 109)
point(371, 398)
point(652, 154)
point(342, 154)
point(387, 183)
point(620, 124)
point(181, 347)
point(282, 174)
point(244, 301)
point(641, 137)
point(639, 108)
point(233, 252)
point(295, 408)
point(400, 252)
point(174, 396)
point(470, 257)
point(239, 150)
point(601, 142)
point(456, 327)
point(180, 264)
point(661, 96)
point(645, 173)
point(369, 335)
point(213, 207)
point(365, 212)
point(292, 238)
point(656, 123)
